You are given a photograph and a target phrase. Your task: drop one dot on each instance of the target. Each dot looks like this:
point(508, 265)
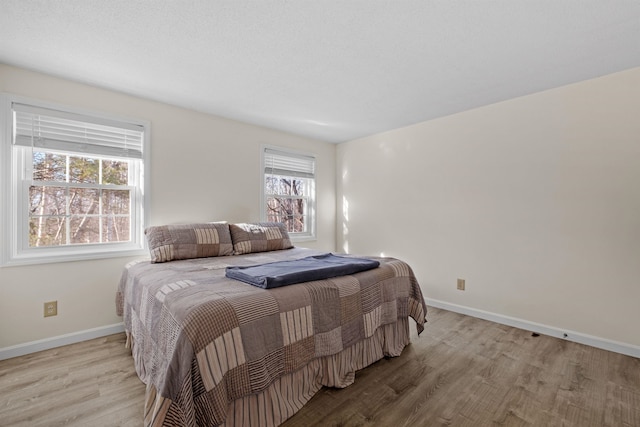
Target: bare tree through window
point(78, 199)
point(287, 202)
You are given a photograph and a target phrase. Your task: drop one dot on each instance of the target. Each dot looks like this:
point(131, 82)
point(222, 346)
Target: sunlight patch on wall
point(345, 224)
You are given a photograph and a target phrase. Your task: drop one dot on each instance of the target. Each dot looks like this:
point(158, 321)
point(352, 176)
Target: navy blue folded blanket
point(282, 273)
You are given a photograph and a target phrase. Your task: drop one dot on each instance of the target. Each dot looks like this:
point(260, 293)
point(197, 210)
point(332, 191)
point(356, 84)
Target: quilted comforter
point(202, 342)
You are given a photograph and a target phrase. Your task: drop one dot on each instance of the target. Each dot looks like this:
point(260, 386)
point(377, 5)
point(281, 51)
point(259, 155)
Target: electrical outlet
point(50, 308)
point(461, 284)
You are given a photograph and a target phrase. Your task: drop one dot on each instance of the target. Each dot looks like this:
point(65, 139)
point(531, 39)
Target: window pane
point(49, 167)
point(115, 172)
point(291, 212)
point(47, 200)
point(295, 225)
point(116, 228)
point(268, 184)
point(285, 186)
point(47, 231)
point(84, 201)
point(299, 187)
point(84, 229)
point(115, 202)
point(84, 170)
point(277, 185)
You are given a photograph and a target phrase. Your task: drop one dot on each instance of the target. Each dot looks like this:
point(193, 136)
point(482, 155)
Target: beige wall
point(534, 201)
point(203, 168)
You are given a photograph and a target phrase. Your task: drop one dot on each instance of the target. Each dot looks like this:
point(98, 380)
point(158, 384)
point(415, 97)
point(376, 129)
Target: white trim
point(590, 340)
point(59, 341)
point(6, 164)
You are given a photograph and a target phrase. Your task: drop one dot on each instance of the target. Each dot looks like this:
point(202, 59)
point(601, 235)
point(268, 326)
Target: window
point(73, 183)
point(289, 191)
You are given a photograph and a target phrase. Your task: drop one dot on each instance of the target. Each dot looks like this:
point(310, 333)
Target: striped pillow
point(260, 237)
point(186, 241)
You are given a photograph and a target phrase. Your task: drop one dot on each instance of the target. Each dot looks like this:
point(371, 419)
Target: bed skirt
point(287, 394)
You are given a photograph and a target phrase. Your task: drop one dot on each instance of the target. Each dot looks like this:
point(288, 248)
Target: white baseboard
point(603, 343)
point(59, 341)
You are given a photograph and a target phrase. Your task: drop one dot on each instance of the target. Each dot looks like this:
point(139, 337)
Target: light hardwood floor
point(461, 371)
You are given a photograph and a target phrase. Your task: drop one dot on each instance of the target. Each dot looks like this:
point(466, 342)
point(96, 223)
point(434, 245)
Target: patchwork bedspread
point(201, 340)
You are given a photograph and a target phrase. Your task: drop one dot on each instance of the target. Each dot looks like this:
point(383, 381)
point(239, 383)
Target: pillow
point(186, 241)
point(260, 237)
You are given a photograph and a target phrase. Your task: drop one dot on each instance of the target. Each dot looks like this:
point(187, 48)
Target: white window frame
point(15, 179)
point(310, 233)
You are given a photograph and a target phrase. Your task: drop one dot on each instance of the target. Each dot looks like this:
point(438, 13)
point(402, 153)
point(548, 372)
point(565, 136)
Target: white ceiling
point(335, 70)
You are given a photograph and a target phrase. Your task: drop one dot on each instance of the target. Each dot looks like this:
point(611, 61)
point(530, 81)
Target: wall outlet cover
point(50, 308)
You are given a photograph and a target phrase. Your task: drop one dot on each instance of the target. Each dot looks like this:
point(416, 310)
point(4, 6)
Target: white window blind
point(60, 130)
point(289, 164)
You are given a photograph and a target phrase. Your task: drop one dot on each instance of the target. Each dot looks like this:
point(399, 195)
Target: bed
point(217, 351)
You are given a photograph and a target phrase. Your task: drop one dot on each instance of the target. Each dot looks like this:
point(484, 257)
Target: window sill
point(303, 238)
point(31, 259)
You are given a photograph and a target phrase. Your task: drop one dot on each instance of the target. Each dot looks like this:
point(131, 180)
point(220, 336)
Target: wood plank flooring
point(92, 383)
point(461, 371)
